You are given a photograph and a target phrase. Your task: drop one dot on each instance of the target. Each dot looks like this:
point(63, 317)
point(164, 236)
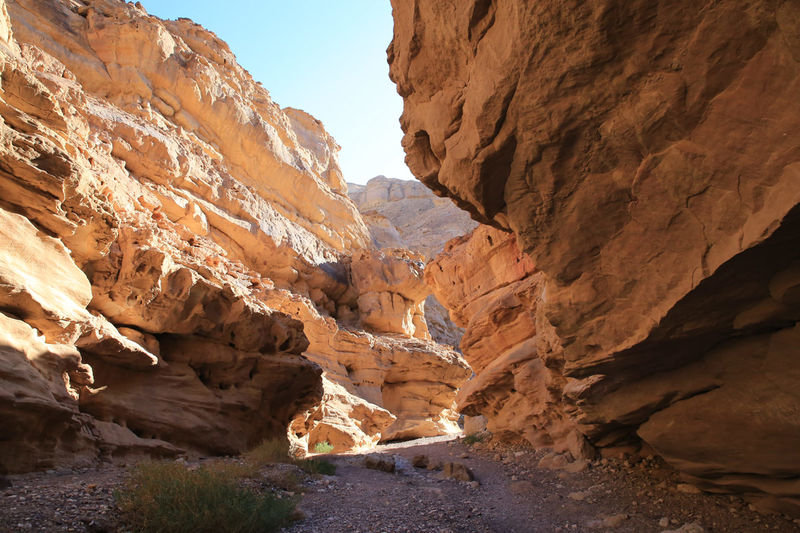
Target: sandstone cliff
point(406, 214)
point(176, 267)
point(645, 157)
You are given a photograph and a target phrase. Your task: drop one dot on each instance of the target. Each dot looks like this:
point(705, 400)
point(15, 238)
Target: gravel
point(511, 493)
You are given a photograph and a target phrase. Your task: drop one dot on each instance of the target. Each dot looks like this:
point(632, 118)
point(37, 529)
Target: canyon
point(601, 258)
point(634, 288)
point(164, 287)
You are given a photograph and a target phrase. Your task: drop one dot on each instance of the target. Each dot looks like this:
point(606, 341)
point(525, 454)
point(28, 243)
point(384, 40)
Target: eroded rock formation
point(644, 156)
point(175, 256)
point(403, 214)
point(406, 214)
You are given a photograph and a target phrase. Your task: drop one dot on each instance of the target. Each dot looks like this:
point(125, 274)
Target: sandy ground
point(512, 494)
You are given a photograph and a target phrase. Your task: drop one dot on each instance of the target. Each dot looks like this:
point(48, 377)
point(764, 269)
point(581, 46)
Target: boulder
point(384, 463)
point(420, 461)
point(457, 471)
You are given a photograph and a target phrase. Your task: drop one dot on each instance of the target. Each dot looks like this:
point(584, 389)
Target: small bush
point(323, 447)
point(316, 466)
point(277, 451)
point(168, 497)
point(473, 438)
point(269, 452)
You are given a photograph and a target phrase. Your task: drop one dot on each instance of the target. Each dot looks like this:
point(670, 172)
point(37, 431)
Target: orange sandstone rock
point(642, 154)
point(181, 246)
point(406, 214)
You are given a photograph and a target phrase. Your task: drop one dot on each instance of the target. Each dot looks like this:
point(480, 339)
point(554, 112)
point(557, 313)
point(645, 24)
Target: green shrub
point(168, 497)
point(323, 447)
point(473, 438)
point(316, 466)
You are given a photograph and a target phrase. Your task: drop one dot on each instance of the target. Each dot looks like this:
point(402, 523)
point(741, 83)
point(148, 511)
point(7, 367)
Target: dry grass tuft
point(169, 497)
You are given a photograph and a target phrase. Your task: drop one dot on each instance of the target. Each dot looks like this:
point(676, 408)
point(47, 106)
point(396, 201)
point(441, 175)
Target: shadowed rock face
point(176, 269)
point(643, 155)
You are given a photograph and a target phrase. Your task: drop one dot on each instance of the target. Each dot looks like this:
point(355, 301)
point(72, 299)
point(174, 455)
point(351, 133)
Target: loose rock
point(384, 463)
point(457, 471)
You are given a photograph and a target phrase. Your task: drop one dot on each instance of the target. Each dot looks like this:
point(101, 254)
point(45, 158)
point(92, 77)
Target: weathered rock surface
point(406, 214)
point(414, 379)
point(391, 292)
point(441, 328)
point(643, 155)
point(175, 256)
point(494, 299)
point(344, 420)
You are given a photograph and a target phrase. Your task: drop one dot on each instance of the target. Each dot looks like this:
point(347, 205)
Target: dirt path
point(513, 495)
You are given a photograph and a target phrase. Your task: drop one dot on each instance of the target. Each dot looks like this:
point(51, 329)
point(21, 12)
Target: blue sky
point(326, 57)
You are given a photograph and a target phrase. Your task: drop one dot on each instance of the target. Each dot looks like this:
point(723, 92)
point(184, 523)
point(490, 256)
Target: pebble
point(687, 489)
point(62, 503)
point(615, 520)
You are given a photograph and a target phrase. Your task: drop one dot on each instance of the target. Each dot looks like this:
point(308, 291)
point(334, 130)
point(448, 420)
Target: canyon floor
point(513, 494)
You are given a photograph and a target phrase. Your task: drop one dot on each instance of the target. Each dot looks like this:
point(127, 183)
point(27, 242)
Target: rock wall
point(175, 266)
point(494, 299)
point(403, 214)
point(643, 155)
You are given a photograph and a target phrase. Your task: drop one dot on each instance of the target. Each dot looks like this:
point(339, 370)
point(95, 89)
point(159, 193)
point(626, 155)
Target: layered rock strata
point(403, 214)
point(644, 156)
point(406, 214)
point(175, 269)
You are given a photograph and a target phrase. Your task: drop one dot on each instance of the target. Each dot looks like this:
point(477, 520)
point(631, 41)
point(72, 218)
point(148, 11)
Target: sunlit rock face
point(644, 157)
point(402, 214)
point(175, 256)
point(405, 214)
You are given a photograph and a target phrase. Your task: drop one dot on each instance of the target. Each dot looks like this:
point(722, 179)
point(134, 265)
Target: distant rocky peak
point(405, 213)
